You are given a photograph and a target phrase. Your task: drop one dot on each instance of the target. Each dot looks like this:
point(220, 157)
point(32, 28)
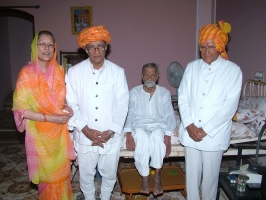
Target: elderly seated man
point(149, 125)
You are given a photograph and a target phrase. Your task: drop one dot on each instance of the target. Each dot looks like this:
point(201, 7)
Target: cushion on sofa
point(245, 114)
point(255, 102)
point(240, 130)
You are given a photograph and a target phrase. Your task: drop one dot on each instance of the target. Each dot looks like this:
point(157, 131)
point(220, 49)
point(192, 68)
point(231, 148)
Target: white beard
point(149, 84)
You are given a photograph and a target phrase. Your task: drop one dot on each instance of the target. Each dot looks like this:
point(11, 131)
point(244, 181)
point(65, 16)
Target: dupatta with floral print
point(48, 145)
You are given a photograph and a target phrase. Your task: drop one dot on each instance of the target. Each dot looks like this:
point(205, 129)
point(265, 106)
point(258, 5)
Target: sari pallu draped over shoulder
point(48, 145)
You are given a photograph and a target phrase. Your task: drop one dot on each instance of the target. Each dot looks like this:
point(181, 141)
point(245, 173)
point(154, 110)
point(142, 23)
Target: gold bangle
point(44, 117)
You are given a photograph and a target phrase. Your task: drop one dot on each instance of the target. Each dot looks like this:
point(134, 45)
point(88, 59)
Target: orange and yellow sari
point(49, 148)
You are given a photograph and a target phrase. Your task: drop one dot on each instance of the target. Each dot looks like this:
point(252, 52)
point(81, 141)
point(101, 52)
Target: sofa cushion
point(246, 114)
point(240, 130)
point(257, 124)
point(259, 103)
point(255, 102)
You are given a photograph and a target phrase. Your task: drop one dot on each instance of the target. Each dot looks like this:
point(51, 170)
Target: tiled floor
point(14, 183)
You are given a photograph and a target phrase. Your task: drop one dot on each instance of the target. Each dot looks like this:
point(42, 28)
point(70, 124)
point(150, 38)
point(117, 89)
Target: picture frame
point(69, 59)
point(81, 17)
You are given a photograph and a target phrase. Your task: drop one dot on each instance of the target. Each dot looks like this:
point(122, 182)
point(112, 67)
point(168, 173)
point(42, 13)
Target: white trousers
point(148, 145)
point(198, 163)
point(107, 166)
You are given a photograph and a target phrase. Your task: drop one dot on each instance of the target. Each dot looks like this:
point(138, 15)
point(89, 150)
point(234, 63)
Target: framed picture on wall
point(81, 17)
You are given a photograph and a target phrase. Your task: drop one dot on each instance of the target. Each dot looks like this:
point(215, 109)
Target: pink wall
point(142, 31)
point(247, 38)
point(247, 44)
point(159, 31)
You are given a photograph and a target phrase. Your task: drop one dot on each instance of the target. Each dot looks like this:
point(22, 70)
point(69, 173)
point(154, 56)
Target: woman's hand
point(68, 109)
point(59, 119)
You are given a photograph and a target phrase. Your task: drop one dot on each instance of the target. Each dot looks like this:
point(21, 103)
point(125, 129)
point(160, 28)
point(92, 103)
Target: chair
point(254, 167)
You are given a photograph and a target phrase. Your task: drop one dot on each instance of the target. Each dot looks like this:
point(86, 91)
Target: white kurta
point(154, 113)
point(208, 97)
point(149, 119)
point(99, 101)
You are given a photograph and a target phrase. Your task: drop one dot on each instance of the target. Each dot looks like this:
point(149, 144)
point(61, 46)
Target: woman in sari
point(39, 109)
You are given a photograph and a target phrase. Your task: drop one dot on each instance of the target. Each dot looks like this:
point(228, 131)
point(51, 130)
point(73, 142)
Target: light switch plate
point(259, 76)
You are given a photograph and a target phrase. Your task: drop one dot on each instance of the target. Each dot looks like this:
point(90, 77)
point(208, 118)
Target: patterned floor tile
point(14, 182)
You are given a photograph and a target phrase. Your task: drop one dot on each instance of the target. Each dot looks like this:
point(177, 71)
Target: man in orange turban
point(219, 36)
point(93, 34)
point(98, 93)
point(208, 98)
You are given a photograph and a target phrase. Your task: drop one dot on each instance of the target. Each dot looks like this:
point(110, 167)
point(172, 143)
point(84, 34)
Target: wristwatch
point(112, 133)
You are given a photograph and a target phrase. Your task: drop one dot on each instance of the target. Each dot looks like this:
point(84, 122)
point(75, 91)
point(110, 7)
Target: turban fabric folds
point(93, 34)
point(218, 35)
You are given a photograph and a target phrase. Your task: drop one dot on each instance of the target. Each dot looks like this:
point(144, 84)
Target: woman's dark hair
point(45, 32)
point(152, 65)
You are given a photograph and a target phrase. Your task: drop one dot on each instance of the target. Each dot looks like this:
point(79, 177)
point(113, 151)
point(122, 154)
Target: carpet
point(15, 185)
point(14, 182)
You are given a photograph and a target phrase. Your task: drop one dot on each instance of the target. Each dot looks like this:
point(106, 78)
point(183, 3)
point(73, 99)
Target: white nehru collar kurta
point(150, 113)
point(99, 99)
point(208, 96)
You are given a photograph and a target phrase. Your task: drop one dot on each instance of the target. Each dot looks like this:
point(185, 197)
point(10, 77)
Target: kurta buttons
point(96, 95)
point(96, 120)
point(96, 108)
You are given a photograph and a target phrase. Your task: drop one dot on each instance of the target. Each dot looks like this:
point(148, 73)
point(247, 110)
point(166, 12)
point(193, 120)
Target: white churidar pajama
point(208, 163)
point(149, 120)
point(99, 99)
point(87, 173)
point(208, 97)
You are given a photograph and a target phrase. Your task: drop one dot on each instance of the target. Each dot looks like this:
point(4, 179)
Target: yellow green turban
point(93, 34)
point(218, 35)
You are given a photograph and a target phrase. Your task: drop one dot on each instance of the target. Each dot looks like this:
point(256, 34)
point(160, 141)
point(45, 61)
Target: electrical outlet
point(259, 76)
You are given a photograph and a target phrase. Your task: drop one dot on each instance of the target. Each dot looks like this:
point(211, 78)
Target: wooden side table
point(173, 178)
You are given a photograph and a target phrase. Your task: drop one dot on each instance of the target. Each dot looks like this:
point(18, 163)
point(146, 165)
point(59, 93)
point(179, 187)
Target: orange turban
point(218, 35)
point(92, 34)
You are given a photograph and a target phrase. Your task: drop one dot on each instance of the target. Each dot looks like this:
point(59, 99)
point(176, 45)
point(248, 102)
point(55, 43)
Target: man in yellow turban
point(208, 98)
point(98, 93)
